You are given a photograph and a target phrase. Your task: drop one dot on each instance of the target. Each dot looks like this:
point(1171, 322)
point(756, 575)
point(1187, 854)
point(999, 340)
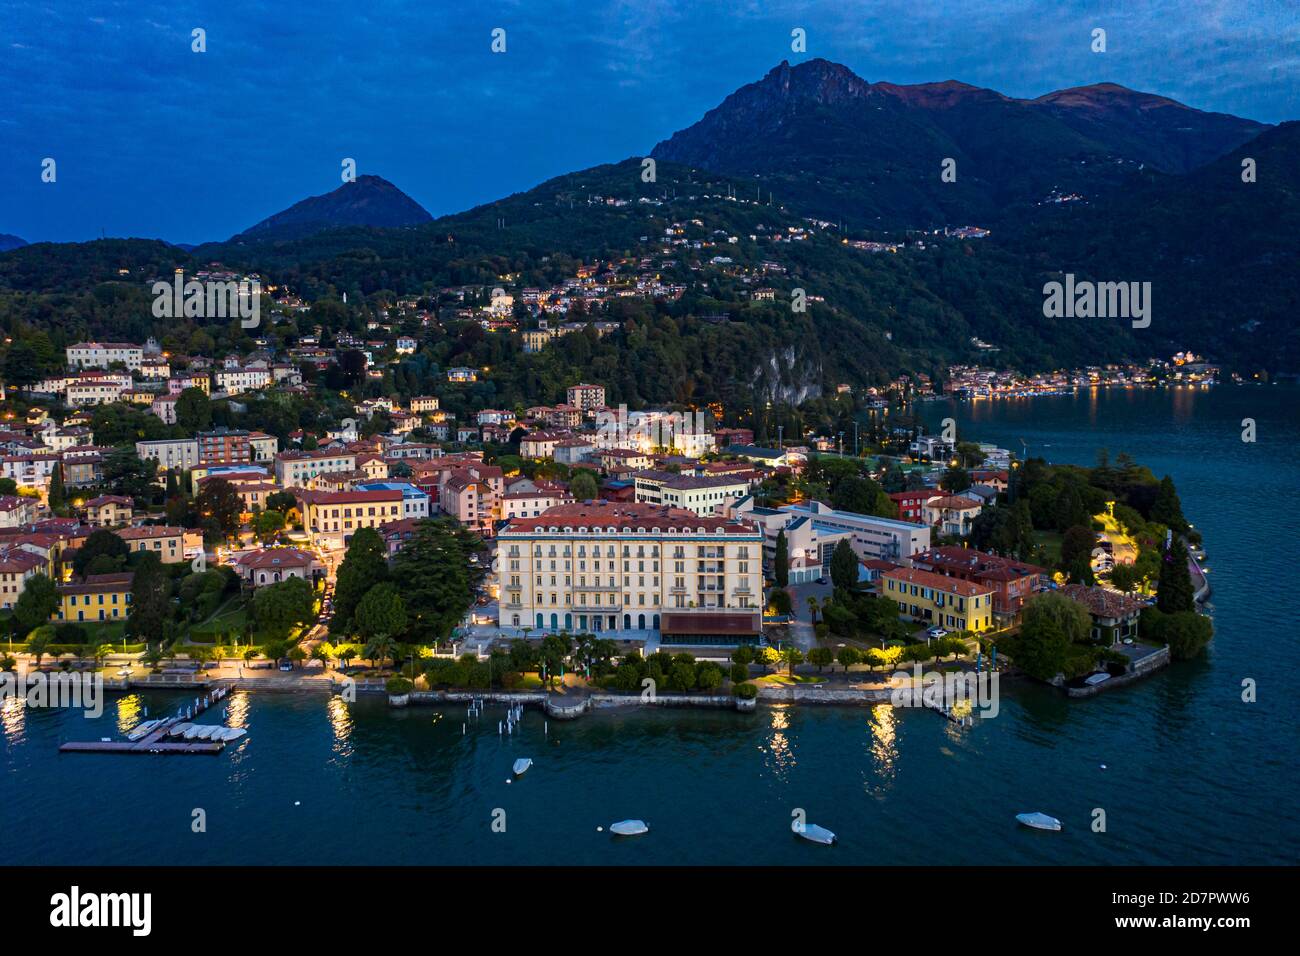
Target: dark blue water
point(1193, 774)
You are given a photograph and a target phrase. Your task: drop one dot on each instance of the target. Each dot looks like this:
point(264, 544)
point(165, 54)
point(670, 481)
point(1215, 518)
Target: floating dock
point(152, 742)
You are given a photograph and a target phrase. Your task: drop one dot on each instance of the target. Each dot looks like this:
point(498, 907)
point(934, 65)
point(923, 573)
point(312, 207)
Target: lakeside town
point(578, 543)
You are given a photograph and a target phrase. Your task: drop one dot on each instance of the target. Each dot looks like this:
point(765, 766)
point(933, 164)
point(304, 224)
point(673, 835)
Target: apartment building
point(166, 542)
point(109, 511)
point(180, 453)
point(606, 566)
point(332, 517)
point(234, 381)
point(226, 445)
point(415, 502)
point(16, 511)
point(930, 598)
point(99, 597)
point(17, 567)
point(263, 447)
point(104, 354)
point(298, 469)
point(886, 539)
point(424, 403)
point(586, 397)
point(1013, 581)
point(702, 495)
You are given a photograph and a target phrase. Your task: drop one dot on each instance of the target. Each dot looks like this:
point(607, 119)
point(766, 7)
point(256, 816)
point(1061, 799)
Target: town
point(138, 535)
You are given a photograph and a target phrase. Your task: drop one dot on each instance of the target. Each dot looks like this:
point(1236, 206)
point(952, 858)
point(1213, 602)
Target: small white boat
point(233, 733)
point(1099, 678)
point(813, 833)
point(522, 765)
point(1038, 821)
point(193, 732)
point(629, 828)
point(141, 730)
point(179, 730)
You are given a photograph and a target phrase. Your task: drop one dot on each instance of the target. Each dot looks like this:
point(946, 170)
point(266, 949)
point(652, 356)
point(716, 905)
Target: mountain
point(366, 201)
point(1219, 252)
point(818, 136)
point(8, 242)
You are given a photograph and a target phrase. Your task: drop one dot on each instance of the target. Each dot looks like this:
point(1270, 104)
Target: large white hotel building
point(606, 566)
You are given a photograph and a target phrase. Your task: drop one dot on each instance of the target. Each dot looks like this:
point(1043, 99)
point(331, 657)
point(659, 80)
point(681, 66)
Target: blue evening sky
point(154, 140)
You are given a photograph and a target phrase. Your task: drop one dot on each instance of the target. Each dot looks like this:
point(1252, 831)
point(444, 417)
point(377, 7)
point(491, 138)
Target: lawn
point(785, 680)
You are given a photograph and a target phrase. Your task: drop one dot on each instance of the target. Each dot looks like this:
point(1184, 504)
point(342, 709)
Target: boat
point(178, 730)
point(193, 732)
point(233, 733)
point(629, 828)
point(1038, 821)
point(142, 729)
point(1099, 678)
point(813, 833)
point(522, 765)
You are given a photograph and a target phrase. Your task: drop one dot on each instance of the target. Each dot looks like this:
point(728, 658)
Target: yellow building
point(938, 599)
point(99, 597)
point(166, 542)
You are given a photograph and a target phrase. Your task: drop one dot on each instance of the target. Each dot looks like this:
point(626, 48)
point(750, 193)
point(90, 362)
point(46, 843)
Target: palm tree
point(101, 653)
point(812, 608)
point(380, 648)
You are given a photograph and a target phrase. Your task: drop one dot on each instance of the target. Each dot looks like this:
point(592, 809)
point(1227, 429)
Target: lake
point(1192, 774)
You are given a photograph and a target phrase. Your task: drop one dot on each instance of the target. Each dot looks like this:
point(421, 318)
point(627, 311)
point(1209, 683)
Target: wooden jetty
point(152, 742)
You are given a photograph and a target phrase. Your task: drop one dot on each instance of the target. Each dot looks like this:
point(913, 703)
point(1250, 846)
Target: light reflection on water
point(13, 719)
point(780, 754)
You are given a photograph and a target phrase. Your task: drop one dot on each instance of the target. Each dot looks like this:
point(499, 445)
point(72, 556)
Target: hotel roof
point(612, 516)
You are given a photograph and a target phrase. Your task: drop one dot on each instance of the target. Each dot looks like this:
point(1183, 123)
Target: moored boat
point(1038, 821)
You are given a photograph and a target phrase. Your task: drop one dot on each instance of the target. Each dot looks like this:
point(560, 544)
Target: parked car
point(286, 666)
point(936, 631)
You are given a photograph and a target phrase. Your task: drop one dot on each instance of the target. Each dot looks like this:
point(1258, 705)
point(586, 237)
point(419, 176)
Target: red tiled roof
point(938, 582)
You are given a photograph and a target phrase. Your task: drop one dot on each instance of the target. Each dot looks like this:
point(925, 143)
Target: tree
point(150, 599)
point(848, 656)
point(813, 605)
point(267, 524)
point(821, 656)
point(57, 496)
point(955, 480)
point(193, 410)
point(127, 474)
point(101, 542)
point(1125, 578)
point(1071, 616)
point(1174, 588)
point(1042, 647)
point(781, 562)
point(792, 657)
point(364, 566)
point(381, 612)
point(1076, 553)
point(434, 575)
point(844, 567)
point(219, 507)
point(1167, 509)
point(860, 494)
point(553, 652)
point(583, 486)
point(1051, 624)
point(278, 607)
point(37, 604)
point(38, 644)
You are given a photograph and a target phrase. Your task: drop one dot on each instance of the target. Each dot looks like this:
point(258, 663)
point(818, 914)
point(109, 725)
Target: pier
point(152, 742)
